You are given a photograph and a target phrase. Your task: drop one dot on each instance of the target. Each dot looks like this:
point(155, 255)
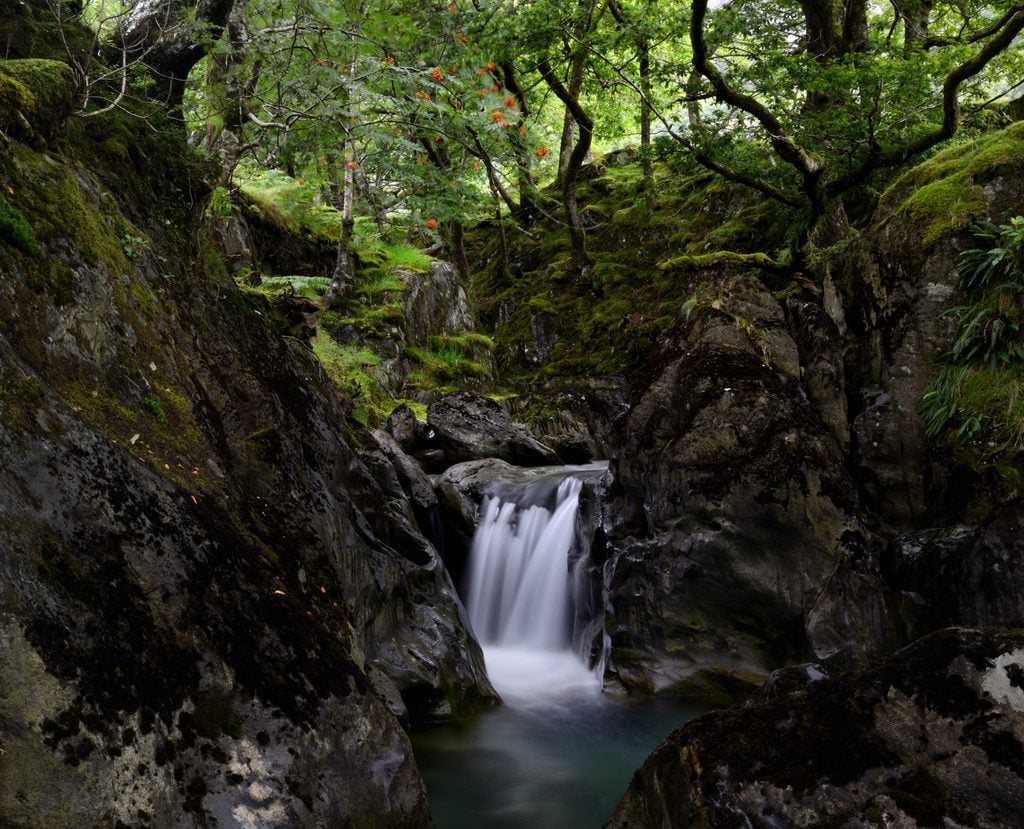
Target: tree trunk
point(529, 198)
point(581, 262)
point(916, 16)
point(569, 125)
point(169, 37)
point(343, 276)
point(646, 162)
point(227, 96)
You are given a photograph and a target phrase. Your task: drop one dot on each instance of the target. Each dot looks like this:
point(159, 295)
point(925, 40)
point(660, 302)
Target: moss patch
point(610, 322)
point(35, 95)
point(943, 195)
point(15, 229)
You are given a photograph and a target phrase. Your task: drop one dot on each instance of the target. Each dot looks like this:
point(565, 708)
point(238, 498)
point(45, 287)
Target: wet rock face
point(727, 510)
point(960, 575)
point(934, 734)
point(889, 294)
point(469, 427)
point(210, 609)
point(884, 595)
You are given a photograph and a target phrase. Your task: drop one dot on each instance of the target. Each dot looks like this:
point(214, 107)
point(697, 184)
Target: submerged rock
point(932, 737)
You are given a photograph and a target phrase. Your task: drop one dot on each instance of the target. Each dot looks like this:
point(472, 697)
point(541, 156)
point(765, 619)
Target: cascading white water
point(520, 597)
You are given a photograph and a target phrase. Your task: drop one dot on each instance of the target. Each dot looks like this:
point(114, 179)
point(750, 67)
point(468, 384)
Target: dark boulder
point(469, 427)
point(934, 736)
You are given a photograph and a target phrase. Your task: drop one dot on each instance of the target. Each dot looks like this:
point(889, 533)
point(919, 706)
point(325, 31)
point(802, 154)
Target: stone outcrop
point(435, 303)
point(933, 736)
point(889, 292)
point(470, 427)
point(210, 609)
point(463, 426)
point(728, 508)
point(968, 575)
point(575, 416)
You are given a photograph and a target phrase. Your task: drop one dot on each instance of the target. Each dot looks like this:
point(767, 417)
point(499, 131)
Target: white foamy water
point(520, 598)
point(559, 753)
point(529, 678)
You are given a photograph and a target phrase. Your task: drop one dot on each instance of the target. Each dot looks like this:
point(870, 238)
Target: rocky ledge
point(934, 736)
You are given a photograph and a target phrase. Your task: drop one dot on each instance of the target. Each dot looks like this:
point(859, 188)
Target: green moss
point(312, 287)
point(15, 229)
point(352, 370)
point(50, 196)
point(16, 104)
point(723, 257)
point(50, 86)
point(943, 195)
point(154, 407)
point(610, 322)
point(442, 365)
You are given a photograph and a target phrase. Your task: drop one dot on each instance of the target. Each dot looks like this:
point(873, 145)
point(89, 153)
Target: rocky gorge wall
point(210, 610)
point(776, 498)
point(773, 471)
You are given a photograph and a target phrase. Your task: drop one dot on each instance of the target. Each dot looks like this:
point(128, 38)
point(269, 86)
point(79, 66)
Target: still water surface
point(557, 755)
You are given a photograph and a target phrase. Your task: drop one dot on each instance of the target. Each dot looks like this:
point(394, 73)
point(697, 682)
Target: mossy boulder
point(890, 291)
point(36, 97)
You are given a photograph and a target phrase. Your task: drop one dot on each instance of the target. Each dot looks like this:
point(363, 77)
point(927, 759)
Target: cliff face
point(776, 450)
point(204, 594)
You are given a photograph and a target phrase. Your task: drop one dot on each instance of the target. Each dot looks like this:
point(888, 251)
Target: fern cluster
point(979, 392)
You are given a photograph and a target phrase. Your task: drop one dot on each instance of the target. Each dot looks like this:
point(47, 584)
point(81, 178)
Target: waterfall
point(520, 590)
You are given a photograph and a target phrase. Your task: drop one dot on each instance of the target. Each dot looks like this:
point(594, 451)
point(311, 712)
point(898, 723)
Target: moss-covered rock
point(945, 193)
point(195, 566)
point(36, 97)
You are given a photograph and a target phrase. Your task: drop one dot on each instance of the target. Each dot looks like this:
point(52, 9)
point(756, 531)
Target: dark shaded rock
point(821, 365)
point(961, 575)
point(202, 585)
point(727, 508)
point(460, 491)
point(435, 304)
point(879, 599)
point(575, 416)
point(408, 431)
point(934, 734)
point(856, 617)
point(545, 328)
point(470, 427)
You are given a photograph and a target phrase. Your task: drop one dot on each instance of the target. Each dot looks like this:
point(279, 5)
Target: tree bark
point(581, 261)
point(169, 37)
